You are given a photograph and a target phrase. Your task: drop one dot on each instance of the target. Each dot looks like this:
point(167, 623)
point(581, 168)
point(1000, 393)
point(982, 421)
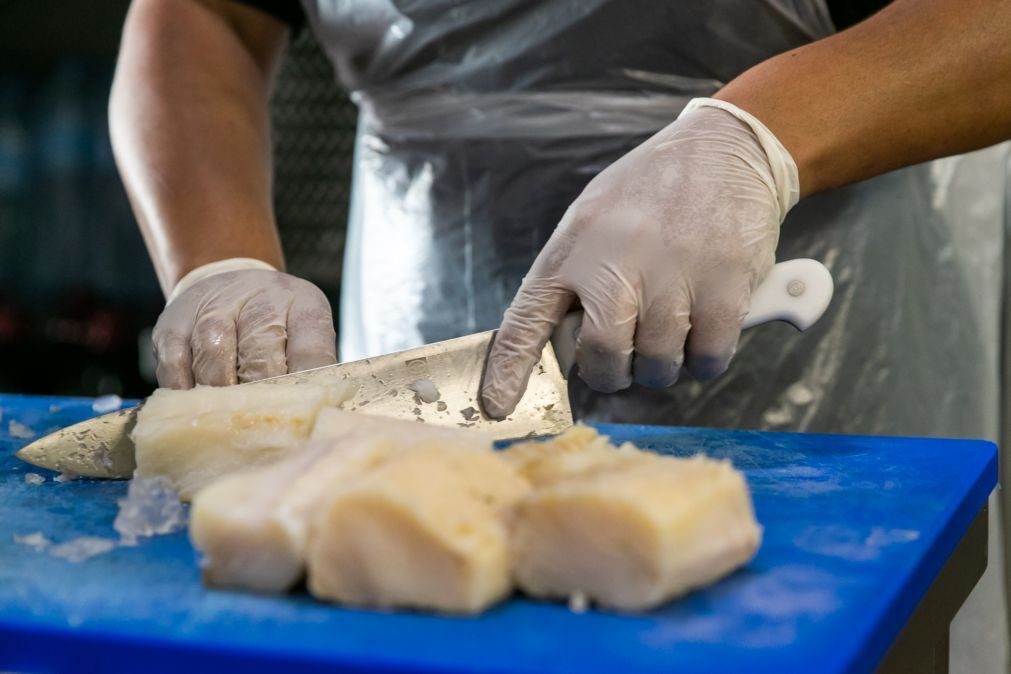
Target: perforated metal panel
point(313, 136)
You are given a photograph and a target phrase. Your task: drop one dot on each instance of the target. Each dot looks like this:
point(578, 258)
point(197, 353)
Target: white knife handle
point(796, 291)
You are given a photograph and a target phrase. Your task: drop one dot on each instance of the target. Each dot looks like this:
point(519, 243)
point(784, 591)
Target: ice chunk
point(426, 391)
point(21, 431)
point(34, 478)
point(66, 477)
point(106, 404)
point(151, 507)
point(578, 603)
point(82, 548)
point(36, 541)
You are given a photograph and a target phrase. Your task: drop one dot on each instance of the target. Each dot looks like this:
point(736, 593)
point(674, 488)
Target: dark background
point(78, 294)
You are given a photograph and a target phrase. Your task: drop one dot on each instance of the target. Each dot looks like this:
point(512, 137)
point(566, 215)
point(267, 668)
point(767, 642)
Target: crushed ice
point(21, 431)
point(36, 541)
point(82, 548)
point(151, 507)
point(106, 404)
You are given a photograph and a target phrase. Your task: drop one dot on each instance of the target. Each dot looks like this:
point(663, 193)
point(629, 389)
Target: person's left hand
point(242, 325)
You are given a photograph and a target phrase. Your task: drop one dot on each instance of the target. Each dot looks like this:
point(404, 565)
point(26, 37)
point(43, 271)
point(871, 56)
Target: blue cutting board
point(856, 528)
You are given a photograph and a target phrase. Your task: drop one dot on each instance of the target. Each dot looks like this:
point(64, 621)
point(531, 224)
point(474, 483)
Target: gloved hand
point(240, 320)
point(662, 249)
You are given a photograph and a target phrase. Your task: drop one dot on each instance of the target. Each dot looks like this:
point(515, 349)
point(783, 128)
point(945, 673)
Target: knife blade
point(101, 447)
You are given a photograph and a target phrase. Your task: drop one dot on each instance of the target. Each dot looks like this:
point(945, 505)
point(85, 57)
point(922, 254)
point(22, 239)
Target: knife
point(797, 291)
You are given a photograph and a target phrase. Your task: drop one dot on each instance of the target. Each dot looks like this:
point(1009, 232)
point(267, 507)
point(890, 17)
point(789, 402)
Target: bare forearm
point(921, 79)
point(189, 125)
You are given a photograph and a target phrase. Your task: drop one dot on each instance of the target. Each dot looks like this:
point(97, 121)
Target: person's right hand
point(663, 250)
point(228, 327)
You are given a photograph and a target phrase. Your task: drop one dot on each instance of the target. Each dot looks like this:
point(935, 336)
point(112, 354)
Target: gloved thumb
point(538, 306)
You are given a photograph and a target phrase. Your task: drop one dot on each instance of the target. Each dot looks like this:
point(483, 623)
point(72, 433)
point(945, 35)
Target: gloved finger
point(526, 328)
point(715, 330)
point(173, 358)
point(214, 349)
point(605, 343)
point(261, 336)
point(312, 341)
point(660, 335)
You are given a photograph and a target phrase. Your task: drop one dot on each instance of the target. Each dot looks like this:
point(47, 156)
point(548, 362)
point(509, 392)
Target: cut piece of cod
point(193, 437)
point(232, 524)
point(425, 530)
point(624, 528)
point(579, 449)
point(252, 527)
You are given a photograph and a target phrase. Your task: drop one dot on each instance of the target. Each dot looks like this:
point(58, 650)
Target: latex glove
point(241, 320)
point(662, 249)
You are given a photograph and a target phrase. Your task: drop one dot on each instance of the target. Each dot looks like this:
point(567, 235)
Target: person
point(646, 160)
